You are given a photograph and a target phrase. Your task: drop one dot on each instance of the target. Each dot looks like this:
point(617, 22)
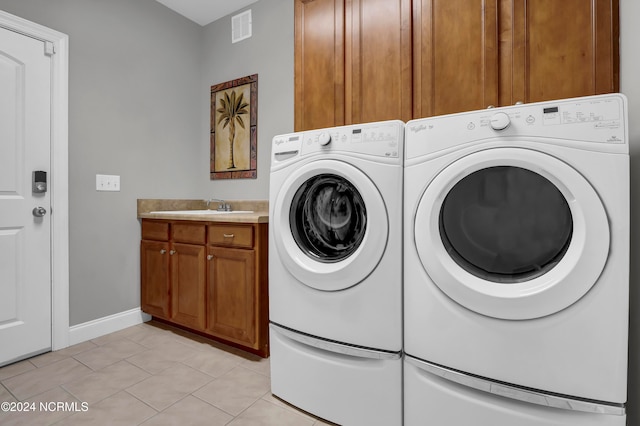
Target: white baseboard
point(109, 324)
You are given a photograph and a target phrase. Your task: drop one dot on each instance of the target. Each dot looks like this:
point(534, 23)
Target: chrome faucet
point(223, 206)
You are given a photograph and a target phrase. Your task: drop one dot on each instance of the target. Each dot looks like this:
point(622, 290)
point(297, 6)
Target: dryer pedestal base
point(431, 399)
point(341, 388)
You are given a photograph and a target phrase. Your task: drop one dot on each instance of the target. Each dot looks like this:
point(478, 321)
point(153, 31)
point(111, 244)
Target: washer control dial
point(500, 121)
point(324, 139)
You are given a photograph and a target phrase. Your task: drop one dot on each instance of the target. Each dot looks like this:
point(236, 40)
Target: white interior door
point(25, 239)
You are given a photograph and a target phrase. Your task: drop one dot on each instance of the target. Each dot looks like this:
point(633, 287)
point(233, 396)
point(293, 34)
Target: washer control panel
point(381, 139)
point(598, 120)
point(500, 121)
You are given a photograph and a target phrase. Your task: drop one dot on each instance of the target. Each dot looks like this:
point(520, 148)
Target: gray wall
point(268, 53)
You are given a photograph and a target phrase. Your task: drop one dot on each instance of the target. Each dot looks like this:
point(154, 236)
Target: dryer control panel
point(381, 139)
point(599, 121)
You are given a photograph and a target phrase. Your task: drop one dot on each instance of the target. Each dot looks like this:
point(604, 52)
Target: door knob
point(39, 211)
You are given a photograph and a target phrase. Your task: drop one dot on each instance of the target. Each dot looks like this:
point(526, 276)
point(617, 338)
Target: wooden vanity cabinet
point(188, 274)
point(237, 310)
point(154, 266)
point(210, 278)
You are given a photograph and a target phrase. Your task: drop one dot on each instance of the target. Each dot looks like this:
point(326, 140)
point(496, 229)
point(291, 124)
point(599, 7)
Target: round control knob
point(500, 121)
point(324, 139)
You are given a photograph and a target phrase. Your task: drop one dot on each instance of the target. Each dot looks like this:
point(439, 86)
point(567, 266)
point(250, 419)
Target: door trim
point(59, 183)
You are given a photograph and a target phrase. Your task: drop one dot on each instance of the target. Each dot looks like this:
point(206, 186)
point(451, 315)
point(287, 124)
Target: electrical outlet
point(107, 183)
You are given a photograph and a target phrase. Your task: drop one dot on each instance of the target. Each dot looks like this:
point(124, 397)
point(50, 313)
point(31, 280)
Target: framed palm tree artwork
point(234, 119)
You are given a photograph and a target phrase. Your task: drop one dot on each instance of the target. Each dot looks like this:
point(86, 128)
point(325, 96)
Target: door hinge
point(49, 48)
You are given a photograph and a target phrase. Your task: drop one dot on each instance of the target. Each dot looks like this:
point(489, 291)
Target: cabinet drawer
point(152, 230)
point(231, 235)
point(193, 233)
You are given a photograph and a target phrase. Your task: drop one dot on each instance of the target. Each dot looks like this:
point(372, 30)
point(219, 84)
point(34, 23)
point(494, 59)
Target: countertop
point(259, 208)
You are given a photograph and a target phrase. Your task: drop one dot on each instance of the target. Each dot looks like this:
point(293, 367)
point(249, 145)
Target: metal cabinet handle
point(209, 257)
point(172, 252)
point(228, 235)
point(163, 251)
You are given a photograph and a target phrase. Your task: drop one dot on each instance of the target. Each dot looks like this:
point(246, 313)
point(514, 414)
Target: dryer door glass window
point(505, 224)
point(328, 218)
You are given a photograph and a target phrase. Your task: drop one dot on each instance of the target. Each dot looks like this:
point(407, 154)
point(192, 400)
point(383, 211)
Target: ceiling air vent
point(241, 26)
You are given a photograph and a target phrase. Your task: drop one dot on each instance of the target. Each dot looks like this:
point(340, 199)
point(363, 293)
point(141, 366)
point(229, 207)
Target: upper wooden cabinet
point(455, 55)
point(352, 62)
point(377, 60)
point(558, 49)
point(368, 60)
point(319, 63)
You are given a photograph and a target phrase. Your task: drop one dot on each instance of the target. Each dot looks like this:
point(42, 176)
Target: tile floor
point(149, 374)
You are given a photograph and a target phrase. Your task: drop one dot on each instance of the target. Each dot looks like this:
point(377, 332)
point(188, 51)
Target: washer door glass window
point(328, 218)
point(330, 225)
point(506, 224)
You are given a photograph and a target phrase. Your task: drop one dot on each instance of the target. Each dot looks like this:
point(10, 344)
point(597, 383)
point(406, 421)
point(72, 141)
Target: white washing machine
point(516, 265)
point(335, 272)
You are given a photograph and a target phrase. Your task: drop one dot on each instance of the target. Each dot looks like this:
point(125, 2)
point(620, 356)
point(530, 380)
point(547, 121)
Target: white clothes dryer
point(335, 272)
point(516, 263)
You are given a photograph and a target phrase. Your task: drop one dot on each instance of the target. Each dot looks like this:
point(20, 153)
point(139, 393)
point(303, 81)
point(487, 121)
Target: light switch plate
point(107, 183)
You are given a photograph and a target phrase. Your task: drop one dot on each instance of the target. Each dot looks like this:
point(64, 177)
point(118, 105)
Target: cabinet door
point(188, 282)
point(559, 49)
point(231, 308)
point(154, 256)
point(378, 60)
point(319, 64)
point(455, 57)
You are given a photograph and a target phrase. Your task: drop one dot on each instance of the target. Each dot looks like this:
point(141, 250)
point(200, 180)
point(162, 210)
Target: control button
point(471, 125)
point(531, 119)
point(324, 139)
point(500, 121)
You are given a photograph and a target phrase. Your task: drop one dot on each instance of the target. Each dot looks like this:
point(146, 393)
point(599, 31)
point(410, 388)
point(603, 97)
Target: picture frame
point(234, 129)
